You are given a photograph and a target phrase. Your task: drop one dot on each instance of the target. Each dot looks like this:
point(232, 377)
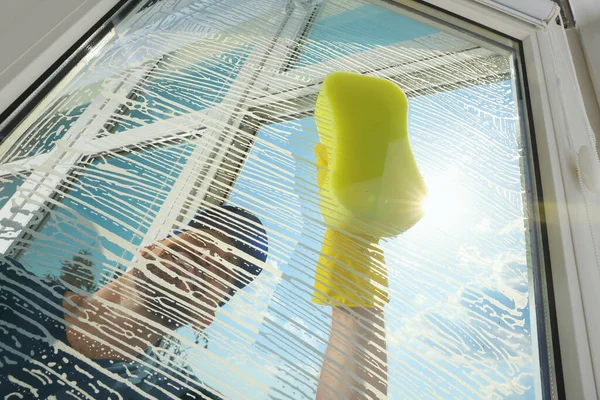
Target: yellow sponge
point(369, 180)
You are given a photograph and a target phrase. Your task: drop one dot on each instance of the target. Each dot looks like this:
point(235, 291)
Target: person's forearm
point(136, 310)
point(112, 323)
point(355, 365)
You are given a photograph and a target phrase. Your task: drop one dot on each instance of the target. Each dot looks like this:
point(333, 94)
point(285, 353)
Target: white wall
point(592, 106)
point(585, 11)
point(35, 33)
point(586, 54)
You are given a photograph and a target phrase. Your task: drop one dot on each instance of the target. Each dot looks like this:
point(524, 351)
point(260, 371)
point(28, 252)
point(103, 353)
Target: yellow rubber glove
point(351, 269)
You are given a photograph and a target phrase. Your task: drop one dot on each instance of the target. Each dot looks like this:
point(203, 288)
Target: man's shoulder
point(12, 271)
point(15, 278)
point(10, 264)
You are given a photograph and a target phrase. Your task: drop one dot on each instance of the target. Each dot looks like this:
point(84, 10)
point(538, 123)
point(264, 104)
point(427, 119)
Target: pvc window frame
point(570, 276)
point(572, 244)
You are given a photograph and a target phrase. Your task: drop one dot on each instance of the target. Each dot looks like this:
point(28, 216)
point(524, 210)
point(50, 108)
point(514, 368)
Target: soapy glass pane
point(104, 210)
point(458, 324)
point(178, 85)
point(459, 320)
point(162, 63)
point(50, 127)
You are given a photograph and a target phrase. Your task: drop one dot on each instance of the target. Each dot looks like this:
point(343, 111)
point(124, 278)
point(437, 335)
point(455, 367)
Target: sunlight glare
point(445, 201)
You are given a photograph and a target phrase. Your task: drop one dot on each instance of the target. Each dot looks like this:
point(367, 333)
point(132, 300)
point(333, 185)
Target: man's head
point(244, 230)
point(203, 266)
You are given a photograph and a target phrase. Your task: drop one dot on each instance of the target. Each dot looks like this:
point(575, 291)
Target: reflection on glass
point(108, 201)
point(179, 85)
point(44, 133)
point(183, 319)
point(158, 64)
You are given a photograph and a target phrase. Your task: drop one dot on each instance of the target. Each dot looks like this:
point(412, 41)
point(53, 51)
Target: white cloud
point(484, 225)
point(516, 225)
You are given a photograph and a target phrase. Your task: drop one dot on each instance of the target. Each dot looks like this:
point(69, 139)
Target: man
point(58, 343)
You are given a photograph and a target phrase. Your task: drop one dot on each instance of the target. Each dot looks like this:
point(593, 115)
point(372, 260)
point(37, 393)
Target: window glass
point(171, 59)
point(113, 294)
point(459, 319)
point(178, 86)
point(44, 133)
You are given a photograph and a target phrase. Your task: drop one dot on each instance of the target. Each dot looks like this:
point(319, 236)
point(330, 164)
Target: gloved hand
point(373, 189)
point(351, 268)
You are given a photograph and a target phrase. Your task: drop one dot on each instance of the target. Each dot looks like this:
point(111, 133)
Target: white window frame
point(572, 242)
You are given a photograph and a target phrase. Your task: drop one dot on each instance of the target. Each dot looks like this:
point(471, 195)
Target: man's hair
point(246, 232)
